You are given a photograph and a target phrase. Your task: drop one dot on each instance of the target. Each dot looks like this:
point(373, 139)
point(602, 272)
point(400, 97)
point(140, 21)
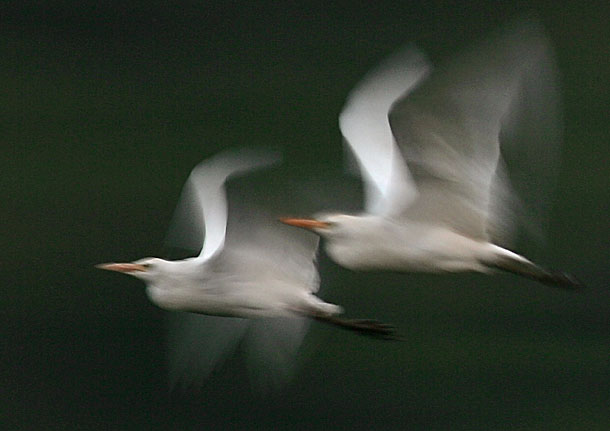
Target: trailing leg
point(368, 327)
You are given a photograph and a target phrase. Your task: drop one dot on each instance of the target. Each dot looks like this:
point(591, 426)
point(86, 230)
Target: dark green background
point(106, 106)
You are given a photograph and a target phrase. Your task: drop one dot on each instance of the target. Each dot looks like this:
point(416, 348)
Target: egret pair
point(437, 196)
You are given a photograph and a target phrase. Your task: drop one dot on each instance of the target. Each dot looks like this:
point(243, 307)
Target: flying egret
point(437, 197)
point(249, 267)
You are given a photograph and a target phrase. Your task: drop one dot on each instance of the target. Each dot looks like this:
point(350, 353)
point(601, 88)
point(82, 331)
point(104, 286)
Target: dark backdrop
point(105, 107)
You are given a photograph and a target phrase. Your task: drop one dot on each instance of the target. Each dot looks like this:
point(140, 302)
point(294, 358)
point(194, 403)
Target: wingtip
point(568, 281)
point(561, 280)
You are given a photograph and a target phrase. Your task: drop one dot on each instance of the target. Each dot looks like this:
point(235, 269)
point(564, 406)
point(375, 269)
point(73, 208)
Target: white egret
point(249, 267)
point(427, 143)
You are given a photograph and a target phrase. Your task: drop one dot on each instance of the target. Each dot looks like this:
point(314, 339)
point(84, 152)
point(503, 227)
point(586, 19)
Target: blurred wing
point(260, 248)
point(448, 129)
point(530, 145)
point(203, 205)
point(271, 346)
point(257, 242)
point(198, 344)
point(365, 128)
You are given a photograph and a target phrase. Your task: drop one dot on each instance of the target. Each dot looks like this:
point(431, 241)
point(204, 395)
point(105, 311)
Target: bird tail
point(521, 266)
point(372, 328)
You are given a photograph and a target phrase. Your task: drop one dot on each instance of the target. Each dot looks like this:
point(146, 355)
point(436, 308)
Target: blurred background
point(106, 106)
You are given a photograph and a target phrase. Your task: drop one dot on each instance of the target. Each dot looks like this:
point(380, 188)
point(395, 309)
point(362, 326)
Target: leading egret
point(251, 268)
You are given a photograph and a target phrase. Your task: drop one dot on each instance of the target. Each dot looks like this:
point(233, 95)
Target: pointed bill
point(305, 223)
point(122, 267)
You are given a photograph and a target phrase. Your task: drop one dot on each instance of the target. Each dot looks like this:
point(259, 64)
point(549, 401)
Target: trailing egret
point(427, 143)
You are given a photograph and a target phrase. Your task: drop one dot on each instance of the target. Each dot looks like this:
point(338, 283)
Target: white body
point(382, 243)
point(235, 284)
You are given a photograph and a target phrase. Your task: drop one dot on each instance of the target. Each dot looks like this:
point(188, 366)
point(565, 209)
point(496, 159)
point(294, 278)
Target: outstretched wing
point(448, 129)
point(271, 346)
point(198, 344)
point(257, 242)
point(200, 219)
point(366, 130)
point(260, 249)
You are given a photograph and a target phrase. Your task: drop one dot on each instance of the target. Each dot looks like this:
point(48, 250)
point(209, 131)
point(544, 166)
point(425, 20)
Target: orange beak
point(122, 267)
point(305, 223)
